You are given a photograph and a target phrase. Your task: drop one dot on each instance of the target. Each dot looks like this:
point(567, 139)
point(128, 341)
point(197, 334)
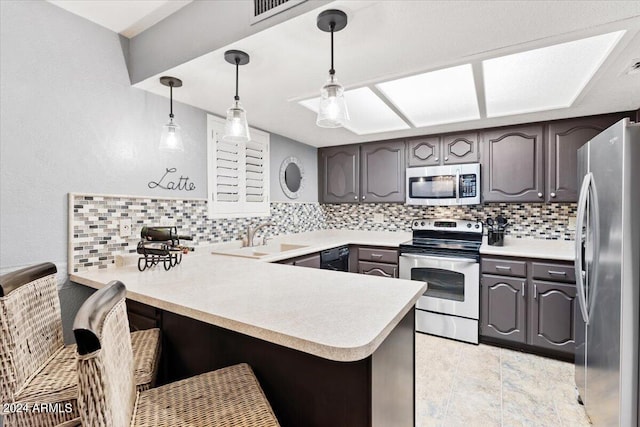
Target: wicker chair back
point(106, 386)
point(30, 325)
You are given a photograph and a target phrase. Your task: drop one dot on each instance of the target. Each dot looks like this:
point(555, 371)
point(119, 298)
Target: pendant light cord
point(332, 71)
point(171, 100)
point(237, 98)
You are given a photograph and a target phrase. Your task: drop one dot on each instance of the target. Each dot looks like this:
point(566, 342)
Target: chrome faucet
point(251, 231)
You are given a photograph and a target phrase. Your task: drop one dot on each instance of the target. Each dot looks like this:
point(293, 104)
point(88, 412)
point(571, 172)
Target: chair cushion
point(227, 397)
point(57, 380)
point(146, 347)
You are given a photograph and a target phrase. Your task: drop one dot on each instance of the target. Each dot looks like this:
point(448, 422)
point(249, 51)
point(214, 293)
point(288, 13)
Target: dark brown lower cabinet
point(303, 389)
point(551, 322)
point(311, 261)
point(377, 269)
point(519, 310)
point(503, 311)
point(377, 261)
point(142, 316)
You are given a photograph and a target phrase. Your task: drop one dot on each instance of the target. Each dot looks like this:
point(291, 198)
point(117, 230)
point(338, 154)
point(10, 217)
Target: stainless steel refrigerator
point(608, 276)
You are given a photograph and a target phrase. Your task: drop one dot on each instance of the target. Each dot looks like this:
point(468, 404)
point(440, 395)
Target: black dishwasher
point(335, 259)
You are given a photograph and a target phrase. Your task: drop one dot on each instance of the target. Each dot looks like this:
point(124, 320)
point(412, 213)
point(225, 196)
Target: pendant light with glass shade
point(332, 111)
point(236, 128)
point(171, 139)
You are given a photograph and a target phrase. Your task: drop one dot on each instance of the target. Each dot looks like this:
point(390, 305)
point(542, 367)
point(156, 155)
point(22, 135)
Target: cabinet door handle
point(446, 159)
point(535, 291)
point(553, 195)
point(502, 267)
point(355, 197)
point(395, 272)
point(557, 273)
point(436, 159)
point(522, 289)
point(363, 197)
point(540, 195)
point(376, 255)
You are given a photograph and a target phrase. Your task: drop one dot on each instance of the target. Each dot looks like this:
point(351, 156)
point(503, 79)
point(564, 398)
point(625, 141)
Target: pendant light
point(236, 129)
point(171, 139)
point(332, 111)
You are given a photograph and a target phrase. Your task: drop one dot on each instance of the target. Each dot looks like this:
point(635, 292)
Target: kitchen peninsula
point(330, 348)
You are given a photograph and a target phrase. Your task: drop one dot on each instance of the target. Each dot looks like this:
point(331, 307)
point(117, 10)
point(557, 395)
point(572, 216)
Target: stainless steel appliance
point(445, 253)
point(608, 275)
point(444, 185)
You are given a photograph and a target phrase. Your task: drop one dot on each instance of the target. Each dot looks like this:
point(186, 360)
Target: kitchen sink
point(259, 251)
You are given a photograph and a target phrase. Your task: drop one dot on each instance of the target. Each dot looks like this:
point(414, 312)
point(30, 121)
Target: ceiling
point(387, 40)
point(126, 17)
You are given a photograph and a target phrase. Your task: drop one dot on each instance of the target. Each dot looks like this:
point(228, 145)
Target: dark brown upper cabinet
point(383, 172)
point(443, 150)
point(513, 164)
point(423, 151)
point(373, 172)
point(564, 138)
point(339, 174)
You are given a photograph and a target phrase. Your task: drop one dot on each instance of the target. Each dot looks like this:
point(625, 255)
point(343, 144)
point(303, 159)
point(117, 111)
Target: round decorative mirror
point(291, 173)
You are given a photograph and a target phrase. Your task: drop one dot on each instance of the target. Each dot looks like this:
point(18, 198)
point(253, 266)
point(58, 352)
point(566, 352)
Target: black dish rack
point(161, 245)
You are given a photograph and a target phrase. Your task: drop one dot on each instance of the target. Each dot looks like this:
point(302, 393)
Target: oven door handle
point(441, 258)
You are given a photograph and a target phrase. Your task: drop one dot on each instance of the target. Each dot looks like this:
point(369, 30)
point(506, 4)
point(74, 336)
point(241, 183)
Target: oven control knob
point(415, 223)
point(477, 225)
point(422, 223)
point(468, 225)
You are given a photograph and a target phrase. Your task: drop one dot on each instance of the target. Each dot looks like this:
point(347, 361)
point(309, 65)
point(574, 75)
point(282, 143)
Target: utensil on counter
point(490, 223)
point(495, 230)
point(502, 223)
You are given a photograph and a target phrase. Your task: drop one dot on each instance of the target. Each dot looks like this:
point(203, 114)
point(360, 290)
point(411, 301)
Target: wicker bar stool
point(35, 365)
point(107, 396)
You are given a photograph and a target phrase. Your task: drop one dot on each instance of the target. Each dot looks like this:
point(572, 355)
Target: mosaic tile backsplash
point(96, 224)
point(533, 220)
point(95, 238)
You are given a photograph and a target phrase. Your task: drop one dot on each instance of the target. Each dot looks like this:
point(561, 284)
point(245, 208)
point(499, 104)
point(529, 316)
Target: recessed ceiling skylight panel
point(546, 78)
point(436, 97)
point(368, 113)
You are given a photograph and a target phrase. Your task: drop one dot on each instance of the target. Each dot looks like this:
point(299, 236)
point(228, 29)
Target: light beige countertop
point(316, 241)
point(335, 315)
point(561, 250)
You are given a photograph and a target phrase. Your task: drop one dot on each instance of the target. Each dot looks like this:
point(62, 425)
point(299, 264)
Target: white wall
point(71, 122)
point(281, 148)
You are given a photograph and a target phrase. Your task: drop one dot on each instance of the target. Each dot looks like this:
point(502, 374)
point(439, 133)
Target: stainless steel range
point(445, 253)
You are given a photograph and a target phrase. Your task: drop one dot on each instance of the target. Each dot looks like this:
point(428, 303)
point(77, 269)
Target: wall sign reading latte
point(291, 174)
point(167, 182)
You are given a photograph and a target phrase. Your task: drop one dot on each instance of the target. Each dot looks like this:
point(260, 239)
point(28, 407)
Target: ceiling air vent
point(634, 68)
point(263, 9)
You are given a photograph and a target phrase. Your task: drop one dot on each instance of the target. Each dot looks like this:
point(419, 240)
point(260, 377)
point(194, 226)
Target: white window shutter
point(238, 173)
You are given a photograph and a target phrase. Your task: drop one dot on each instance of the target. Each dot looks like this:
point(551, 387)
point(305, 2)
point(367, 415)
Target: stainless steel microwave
point(444, 185)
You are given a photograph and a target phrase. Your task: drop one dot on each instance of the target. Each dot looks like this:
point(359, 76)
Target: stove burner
point(445, 237)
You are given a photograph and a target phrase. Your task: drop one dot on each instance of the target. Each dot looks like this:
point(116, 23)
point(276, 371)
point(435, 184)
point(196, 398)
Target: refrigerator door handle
point(580, 276)
point(594, 227)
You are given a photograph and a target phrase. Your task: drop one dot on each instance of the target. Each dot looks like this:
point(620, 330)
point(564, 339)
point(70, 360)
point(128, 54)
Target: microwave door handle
point(458, 186)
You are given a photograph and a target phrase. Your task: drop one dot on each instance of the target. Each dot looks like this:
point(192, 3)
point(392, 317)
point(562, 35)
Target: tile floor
point(460, 384)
